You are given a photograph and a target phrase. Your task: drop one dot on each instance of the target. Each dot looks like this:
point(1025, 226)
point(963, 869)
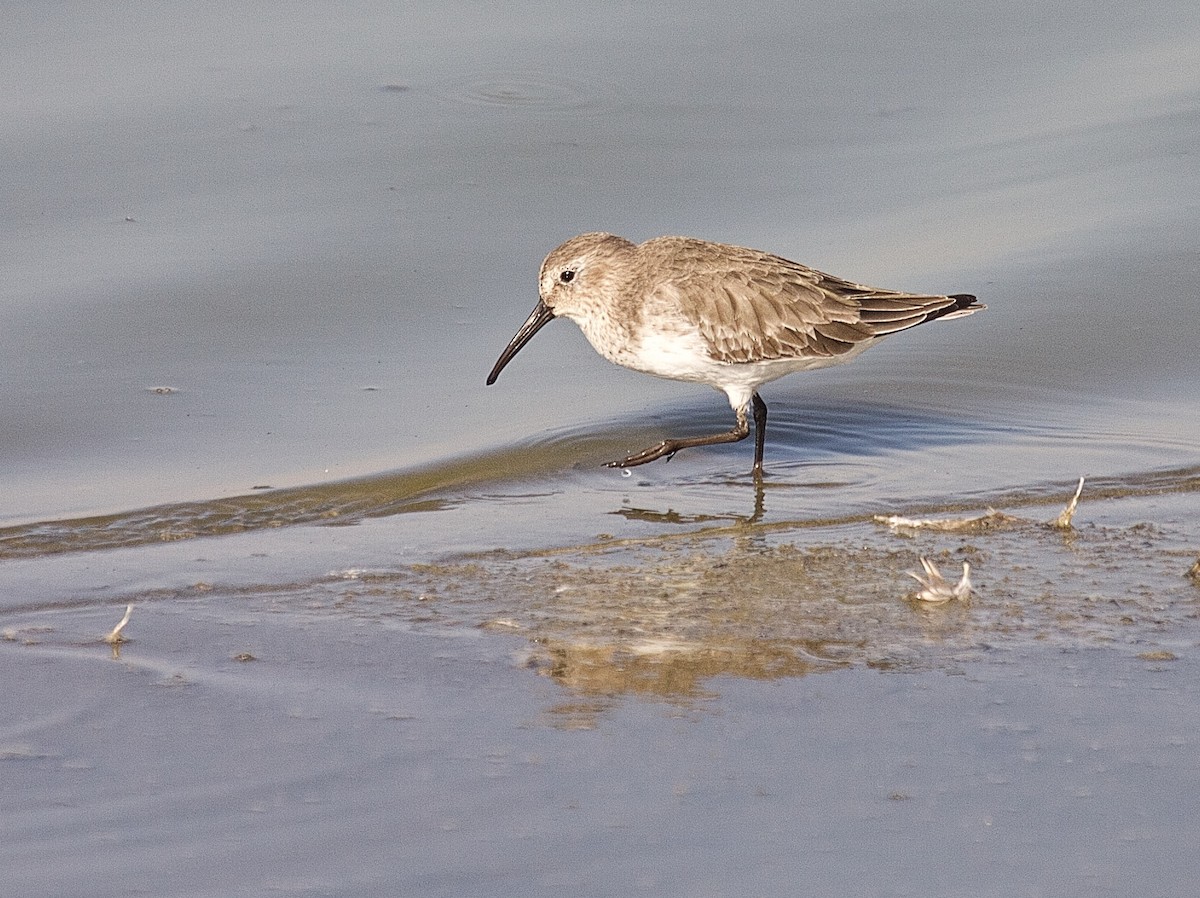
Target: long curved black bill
point(534, 323)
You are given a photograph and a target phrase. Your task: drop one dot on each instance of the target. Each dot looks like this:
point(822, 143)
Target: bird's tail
point(964, 304)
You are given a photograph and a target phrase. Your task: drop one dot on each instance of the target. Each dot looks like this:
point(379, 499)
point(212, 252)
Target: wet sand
point(679, 704)
point(739, 707)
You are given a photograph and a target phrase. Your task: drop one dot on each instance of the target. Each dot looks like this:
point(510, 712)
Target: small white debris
point(936, 589)
point(1063, 521)
point(990, 520)
point(115, 636)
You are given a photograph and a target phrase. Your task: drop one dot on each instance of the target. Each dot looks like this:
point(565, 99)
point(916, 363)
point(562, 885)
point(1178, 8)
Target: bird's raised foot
point(666, 448)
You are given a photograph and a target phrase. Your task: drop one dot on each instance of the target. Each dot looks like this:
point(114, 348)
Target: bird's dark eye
point(567, 275)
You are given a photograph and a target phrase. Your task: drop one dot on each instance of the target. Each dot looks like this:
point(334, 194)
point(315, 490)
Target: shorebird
point(727, 316)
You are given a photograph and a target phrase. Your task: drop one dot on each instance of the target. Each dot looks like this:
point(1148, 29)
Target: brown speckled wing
point(751, 306)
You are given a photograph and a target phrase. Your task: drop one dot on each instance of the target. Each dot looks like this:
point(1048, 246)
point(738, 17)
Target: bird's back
point(752, 306)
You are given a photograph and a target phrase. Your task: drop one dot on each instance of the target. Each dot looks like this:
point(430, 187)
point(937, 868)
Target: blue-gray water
point(252, 246)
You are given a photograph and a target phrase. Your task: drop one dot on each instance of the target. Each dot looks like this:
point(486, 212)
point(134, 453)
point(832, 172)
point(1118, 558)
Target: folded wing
point(759, 307)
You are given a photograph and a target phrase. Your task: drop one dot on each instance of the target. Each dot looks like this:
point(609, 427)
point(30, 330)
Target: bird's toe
point(658, 450)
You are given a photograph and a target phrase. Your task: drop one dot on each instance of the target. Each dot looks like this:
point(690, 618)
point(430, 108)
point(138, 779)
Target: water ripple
point(860, 452)
point(531, 90)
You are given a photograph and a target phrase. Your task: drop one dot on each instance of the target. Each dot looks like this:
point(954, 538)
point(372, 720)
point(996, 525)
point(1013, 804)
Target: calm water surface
point(398, 632)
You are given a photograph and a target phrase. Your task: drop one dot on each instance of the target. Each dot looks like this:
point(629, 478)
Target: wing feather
point(751, 306)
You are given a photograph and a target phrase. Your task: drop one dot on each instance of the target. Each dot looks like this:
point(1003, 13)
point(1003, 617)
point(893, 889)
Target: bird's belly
point(685, 356)
point(682, 354)
point(679, 356)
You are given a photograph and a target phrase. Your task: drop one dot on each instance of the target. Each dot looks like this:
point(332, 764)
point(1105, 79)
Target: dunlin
point(726, 316)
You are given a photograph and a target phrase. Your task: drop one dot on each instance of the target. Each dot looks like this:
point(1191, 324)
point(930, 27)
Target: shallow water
point(394, 631)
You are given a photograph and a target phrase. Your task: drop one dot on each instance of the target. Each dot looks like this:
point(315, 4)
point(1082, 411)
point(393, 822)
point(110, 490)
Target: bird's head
point(575, 281)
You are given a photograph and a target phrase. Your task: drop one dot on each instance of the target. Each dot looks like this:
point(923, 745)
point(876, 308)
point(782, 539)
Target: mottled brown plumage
point(731, 317)
point(752, 306)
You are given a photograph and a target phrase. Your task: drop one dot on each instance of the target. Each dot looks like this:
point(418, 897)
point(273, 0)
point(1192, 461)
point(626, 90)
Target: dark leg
point(760, 433)
point(670, 447)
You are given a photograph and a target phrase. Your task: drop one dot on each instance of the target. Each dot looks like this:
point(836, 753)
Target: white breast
point(682, 354)
point(674, 349)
